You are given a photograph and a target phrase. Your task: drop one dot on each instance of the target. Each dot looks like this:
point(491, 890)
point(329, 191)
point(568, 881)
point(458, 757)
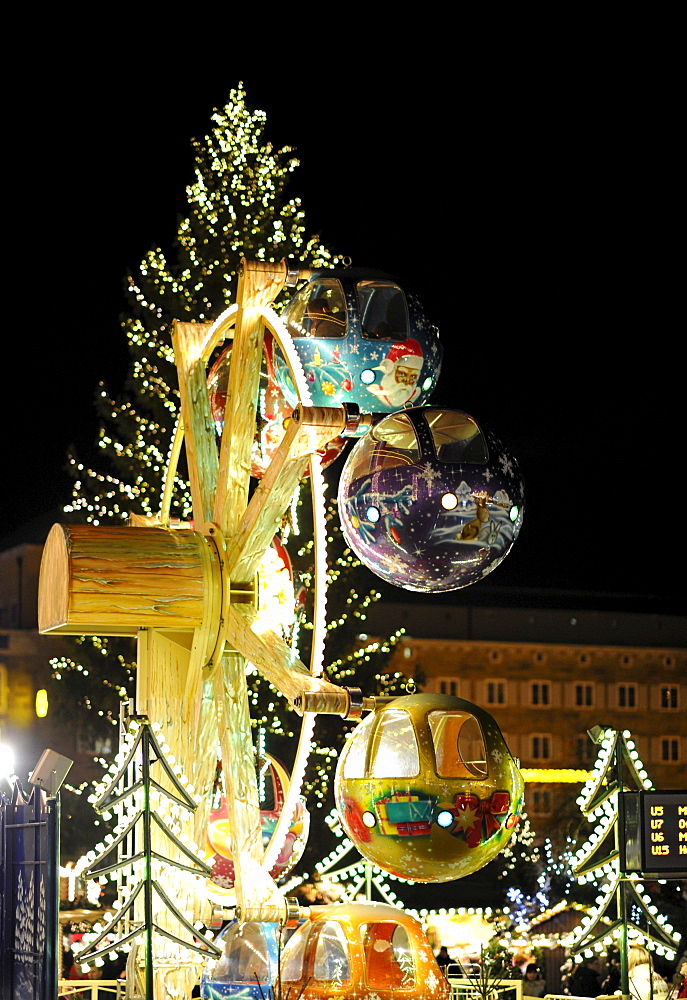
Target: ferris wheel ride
point(430, 777)
point(240, 528)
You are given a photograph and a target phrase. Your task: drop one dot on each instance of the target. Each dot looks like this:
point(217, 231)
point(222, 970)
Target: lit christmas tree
point(237, 208)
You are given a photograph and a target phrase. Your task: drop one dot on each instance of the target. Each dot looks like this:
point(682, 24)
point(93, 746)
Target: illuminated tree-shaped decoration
point(617, 770)
point(357, 874)
point(150, 814)
point(357, 878)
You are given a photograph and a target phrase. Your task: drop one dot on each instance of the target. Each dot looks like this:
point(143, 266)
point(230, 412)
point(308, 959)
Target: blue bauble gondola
point(361, 339)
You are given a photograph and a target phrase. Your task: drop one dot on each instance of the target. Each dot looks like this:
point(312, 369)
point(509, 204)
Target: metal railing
point(87, 989)
point(501, 989)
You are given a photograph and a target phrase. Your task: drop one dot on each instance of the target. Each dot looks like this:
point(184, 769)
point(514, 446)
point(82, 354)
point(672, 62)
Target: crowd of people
point(585, 979)
point(644, 983)
point(114, 967)
point(533, 983)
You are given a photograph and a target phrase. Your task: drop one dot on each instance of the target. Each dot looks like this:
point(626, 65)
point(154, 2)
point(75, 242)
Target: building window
point(540, 657)
point(627, 696)
point(4, 690)
point(584, 657)
point(541, 802)
point(88, 743)
point(584, 695)
point(670, 749)
point(4, 641)
point(495, 655)
point(586, 750)
point(496, 692)
point(540, 693)
point(669, 697)
point(448, 687)
point(541, 746)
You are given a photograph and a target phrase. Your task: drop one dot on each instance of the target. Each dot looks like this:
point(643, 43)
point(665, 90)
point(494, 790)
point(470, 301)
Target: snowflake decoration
point(395, 564)
point(428, 475)
point(497, 755)
point(431, 979)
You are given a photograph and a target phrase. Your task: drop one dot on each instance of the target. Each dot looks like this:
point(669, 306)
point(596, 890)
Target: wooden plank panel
point(162, 675)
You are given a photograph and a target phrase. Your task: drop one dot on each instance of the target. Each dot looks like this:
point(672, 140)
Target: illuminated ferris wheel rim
point(216, 335)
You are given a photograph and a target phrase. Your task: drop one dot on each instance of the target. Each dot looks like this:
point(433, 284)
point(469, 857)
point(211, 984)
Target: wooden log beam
point(115, 581)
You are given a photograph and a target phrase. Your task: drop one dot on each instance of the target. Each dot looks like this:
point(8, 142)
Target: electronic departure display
point(663, 819)
point(653, 833)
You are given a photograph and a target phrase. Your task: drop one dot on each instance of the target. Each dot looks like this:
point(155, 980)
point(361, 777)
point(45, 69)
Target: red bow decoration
point(486, 811)
point(353, 816)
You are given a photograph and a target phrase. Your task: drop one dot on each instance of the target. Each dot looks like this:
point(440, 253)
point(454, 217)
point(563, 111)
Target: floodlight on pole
point(50, 771)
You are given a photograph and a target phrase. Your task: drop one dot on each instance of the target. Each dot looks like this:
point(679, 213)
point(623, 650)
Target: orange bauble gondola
point(359, 951)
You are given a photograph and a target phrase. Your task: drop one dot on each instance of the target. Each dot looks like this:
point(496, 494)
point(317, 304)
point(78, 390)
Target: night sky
point(529, 211)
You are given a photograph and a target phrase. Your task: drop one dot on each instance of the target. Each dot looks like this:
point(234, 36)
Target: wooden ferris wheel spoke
point(309, 429)
point(192, 352)
point(220, 494)
point(248, 632)
point(243, 803)
point(259, 284)
point(188, 340)
point(193, 344)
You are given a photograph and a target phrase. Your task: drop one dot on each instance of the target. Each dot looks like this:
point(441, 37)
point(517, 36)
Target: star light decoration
point(599, 858)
